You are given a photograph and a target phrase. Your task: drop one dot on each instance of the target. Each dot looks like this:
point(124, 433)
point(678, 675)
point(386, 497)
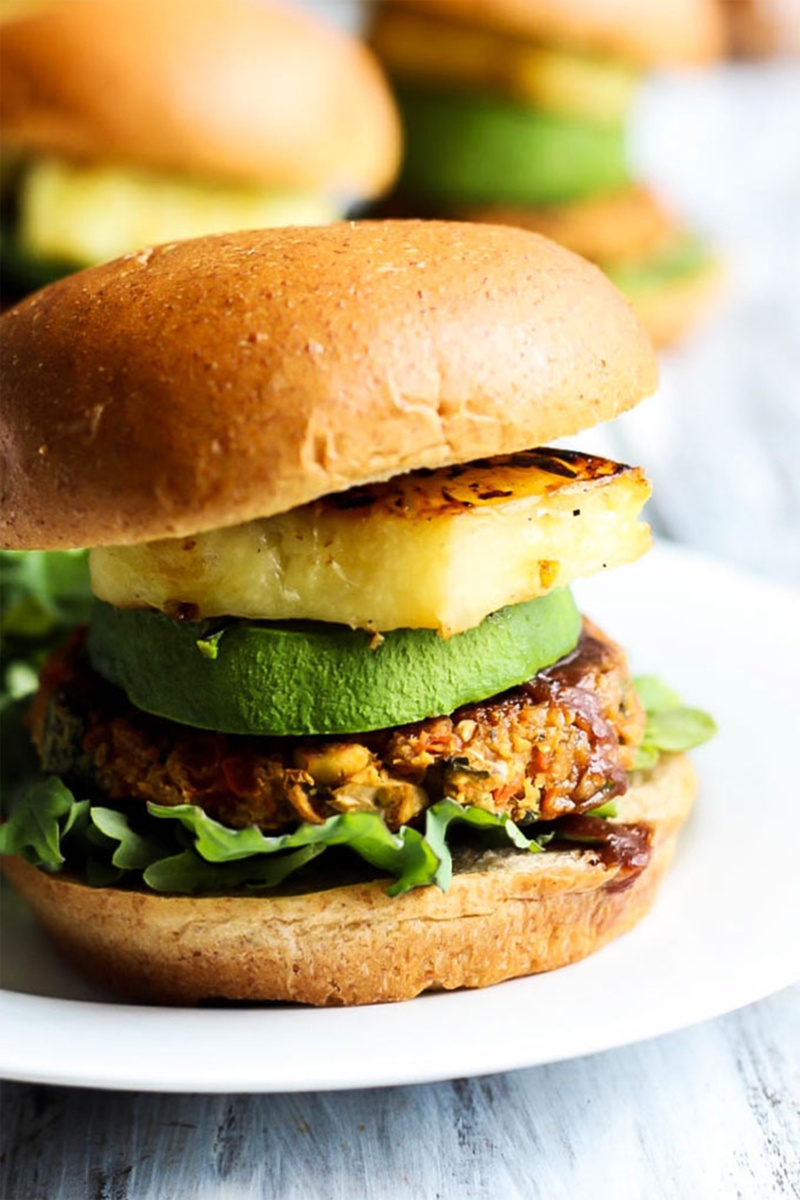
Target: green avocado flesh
point(643, 275)
point(470, 148)
point(296, 679)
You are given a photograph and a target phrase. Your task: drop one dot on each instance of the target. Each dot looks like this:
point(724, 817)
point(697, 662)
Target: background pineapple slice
point(90, 213)
point(418, 46)
point(432, 549)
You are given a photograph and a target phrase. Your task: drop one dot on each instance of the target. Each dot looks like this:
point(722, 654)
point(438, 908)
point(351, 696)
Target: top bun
point(209, 382)
point(643, 31)
point(225, 89)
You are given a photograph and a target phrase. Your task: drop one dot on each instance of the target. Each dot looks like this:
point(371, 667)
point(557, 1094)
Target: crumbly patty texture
point(559, 744)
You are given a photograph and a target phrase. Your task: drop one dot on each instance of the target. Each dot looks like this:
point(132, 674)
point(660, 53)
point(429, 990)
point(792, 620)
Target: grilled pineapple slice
point(423, 47)
point(88, 214)
point(431, 550)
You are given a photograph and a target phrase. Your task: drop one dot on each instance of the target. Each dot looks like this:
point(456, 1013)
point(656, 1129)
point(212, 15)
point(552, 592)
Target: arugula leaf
point(35, 830)
point(441, 815)
point(43, 595)
point(679, 728)
point(134, 852)
point(646, 758)
point(181, 849)
point(654, 694)
point(43, 588)
point(190, 874)
point(87, 849)
point(670, 725)
point(405, 854)
point(609, 809)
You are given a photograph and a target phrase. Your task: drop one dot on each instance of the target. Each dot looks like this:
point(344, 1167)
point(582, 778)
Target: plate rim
point(515, 1056)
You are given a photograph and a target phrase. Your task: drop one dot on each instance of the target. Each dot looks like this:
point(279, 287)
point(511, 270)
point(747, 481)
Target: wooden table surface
point(713, 1111)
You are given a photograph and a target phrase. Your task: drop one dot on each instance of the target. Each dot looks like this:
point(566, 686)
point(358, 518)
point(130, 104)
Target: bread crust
point(211, 382)
point(677, 31)
point(509, 914)
point(233, 89)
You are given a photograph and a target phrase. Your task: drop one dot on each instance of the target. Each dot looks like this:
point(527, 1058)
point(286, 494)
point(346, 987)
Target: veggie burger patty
point(553, 746)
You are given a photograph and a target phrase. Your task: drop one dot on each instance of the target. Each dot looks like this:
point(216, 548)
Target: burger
point(128, 122)
point(762, 28)
point(335, 732)
point(516, 111)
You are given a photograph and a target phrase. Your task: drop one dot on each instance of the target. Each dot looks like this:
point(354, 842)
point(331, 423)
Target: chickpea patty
point(559, 744)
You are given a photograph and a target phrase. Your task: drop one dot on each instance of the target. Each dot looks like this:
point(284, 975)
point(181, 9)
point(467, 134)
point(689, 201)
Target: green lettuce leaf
point(40, 589)
point(438, 819)
point(189, 874)
point(34, 830)
point(181, 849)
point(406, 855)
point(43, 596)
point(670, 726)
point(607, 809)
point(134, 851)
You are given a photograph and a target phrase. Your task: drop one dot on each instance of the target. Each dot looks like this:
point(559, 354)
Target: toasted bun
point(239, 89)
point(211, 382)
point(511, 913)
point(688, 31)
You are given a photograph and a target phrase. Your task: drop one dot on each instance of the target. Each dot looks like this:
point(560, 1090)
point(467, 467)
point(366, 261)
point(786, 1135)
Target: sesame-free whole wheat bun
point(677, 31)
point(507, 913)
point(243, 90)
point(212, 382)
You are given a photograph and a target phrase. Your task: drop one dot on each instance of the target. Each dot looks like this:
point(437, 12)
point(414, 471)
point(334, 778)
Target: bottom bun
point(507, 913)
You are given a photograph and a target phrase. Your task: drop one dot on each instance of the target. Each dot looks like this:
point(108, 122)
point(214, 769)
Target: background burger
point(128, 122)
point(516, 111)
point(336, 732)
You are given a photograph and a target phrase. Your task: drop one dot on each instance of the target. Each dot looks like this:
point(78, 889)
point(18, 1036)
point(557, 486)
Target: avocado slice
point(301, 678)
point(468, 147)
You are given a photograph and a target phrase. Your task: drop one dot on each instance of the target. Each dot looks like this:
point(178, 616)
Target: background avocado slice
point(298, 678)
point(689, 256)
point(469, 147)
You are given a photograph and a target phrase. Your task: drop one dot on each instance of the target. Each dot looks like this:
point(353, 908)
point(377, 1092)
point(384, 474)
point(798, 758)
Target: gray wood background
point(710, 1112)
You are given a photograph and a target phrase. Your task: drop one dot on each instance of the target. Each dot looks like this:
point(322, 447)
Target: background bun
point(511, 913)
point(644, 31)
point(238, 89)
point(210, 382)
point(630, 223)
point(624, 226)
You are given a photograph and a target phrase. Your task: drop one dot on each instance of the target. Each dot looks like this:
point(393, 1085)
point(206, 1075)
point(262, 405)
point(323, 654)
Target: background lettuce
point(671, 726)
point(44, 594)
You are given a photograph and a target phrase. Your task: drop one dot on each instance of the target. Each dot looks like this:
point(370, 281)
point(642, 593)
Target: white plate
point(723, 932)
